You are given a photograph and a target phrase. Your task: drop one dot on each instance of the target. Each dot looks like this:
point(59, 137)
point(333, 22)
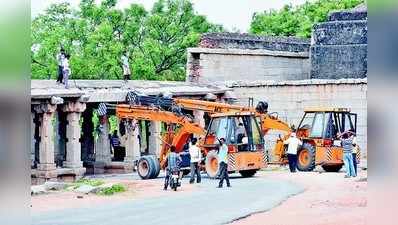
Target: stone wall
point(289, 98)
point(206, 65)
point(250, 41)
point(339, 46)
point(231, 56)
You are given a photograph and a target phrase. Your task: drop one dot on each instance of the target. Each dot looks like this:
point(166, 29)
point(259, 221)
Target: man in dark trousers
point(173, 161)
point(196, 157)
point(293, 144)
point(60, 60)
point(223, 157)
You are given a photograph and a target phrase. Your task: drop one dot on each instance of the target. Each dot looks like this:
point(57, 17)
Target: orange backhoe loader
point(318, 130)
point(242, 127)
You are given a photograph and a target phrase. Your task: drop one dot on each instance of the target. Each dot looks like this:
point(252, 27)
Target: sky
point(232, 14)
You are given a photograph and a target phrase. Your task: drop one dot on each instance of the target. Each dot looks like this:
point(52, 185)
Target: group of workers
point(350, 150)
point(64, 70)
point(173, 161)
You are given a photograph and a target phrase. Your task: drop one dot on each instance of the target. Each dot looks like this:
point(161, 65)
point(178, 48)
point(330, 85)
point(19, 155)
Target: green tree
point(96, 35)
point(297, 21)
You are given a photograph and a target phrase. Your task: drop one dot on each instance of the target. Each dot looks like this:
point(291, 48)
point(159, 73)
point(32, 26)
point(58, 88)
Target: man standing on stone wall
point(126, 66)
point(60, 60)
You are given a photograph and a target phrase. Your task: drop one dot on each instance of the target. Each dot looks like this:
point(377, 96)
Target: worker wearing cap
point(293, 143)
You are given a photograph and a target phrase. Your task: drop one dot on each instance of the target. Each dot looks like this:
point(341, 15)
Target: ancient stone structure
point(278, 70)
point(339, 45)
point(224, 56)
point(65, 143)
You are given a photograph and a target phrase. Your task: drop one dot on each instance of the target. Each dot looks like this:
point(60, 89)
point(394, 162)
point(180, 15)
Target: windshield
point(236, 130)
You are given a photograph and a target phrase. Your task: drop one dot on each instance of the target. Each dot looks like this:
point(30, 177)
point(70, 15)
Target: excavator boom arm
point(210, 107)
point(154, 114)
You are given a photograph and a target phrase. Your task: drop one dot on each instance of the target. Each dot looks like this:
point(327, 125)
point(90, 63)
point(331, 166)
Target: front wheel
point(306, 158)
point(212, 164)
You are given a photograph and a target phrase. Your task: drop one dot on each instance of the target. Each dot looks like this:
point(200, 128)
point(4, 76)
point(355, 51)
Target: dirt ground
point(328, 199)
point(136, 189)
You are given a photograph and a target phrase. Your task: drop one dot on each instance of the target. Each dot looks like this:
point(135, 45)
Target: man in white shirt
point(196, 158)
point(293, 143)
point(126, 66)
point(66, 70)
point(223, 158)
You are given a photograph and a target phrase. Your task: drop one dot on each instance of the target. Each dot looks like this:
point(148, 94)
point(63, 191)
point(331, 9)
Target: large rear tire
point(247, 173)
point(145, 167)
point(156, 169)
point(332, 168)
point(212, 164)
point(306, 158)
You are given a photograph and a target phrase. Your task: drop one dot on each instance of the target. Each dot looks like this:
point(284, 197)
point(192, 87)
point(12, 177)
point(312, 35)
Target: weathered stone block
point(341, 61)
point(340, 33)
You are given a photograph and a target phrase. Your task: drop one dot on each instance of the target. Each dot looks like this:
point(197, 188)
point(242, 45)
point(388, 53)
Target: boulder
point(85, 189)
point(38, 189)
point(55, 186)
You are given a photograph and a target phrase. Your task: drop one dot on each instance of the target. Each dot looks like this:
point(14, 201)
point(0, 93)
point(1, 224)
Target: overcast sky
point(232, 14)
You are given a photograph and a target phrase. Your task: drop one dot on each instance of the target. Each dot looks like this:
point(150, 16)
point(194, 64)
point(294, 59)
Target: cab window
point(318, 125)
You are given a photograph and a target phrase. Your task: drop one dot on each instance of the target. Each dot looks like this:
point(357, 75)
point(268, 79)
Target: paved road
point(205, 206)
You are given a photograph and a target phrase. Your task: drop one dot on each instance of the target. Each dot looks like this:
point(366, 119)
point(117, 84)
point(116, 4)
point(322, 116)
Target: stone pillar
point(143, 135)
point(198, 117)
point(132, 145)
point(73, 146)
point(102, 144)
point(32, 139)
point(154, 138)
point(46, 168)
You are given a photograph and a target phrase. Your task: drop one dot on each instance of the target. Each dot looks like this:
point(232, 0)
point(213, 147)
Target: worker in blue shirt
point(223, 157)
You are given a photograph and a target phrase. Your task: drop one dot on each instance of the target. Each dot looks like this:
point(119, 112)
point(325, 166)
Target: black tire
point(156, 168)
point(212, 173)
point(247, 173)
point(145, 167)
point(332, 168)
point(311, 158)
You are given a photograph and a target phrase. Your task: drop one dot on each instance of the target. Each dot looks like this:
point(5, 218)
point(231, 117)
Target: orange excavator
point(243, 128)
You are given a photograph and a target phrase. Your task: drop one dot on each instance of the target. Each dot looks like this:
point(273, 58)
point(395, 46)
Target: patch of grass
point(91, 182)
point(116, 188)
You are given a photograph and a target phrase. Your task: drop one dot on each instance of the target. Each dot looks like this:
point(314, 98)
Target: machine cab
point(240, 130)
point(326, 123)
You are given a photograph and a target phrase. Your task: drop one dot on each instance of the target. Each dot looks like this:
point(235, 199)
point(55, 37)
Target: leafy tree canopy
point(297, 21)
point(95, 35)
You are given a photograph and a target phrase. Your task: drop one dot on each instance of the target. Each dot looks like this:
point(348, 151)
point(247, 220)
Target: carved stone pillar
point(143, 135)
point(102, 144)
point(132, 145)
point(154, 138)
point(73, 131)
point(46, 168)
point(32, 139)
point(198, 116)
